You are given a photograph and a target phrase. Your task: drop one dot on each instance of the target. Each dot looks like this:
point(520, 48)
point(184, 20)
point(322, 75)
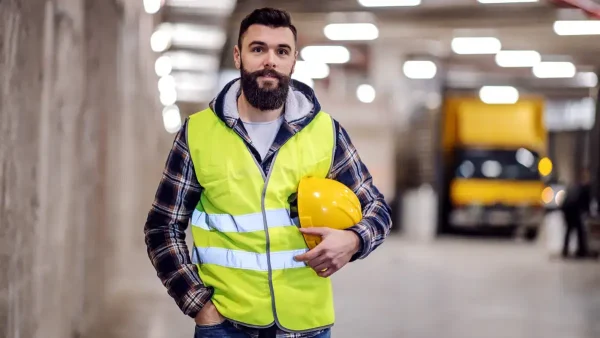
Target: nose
point(271, 60)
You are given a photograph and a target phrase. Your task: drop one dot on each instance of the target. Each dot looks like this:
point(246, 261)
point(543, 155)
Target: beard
point(270, 96)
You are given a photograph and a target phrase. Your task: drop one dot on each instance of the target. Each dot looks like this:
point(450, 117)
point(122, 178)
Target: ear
point(237, 57)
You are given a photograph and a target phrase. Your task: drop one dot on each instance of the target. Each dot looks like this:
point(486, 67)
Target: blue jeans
point(223, 330)
point(227, 330)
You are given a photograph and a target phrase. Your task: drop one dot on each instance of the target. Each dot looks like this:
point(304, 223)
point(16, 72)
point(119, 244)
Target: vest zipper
point(264, 213)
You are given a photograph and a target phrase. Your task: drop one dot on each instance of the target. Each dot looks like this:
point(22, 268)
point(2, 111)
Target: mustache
point(268, 72)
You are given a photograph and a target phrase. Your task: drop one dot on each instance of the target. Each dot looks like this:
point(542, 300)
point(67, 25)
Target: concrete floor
point(451, 288)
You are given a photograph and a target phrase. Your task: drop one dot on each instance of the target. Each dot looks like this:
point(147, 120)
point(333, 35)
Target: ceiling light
point(191, 61)
point(419, 69)
point(198, 36)
point(325, 54)
point(587, 79)
point(205, 6)
point(171, 119)
point(559, 69)
point(351, 31)
point(166, 83)
point(163, 66)
point(168, 97)
point(504, 1)
point(389, 3)
point(152, 6)
point(476, 45)
point(365, 93)
point(577, 27)
point(161, 40)
point(518, 58)
point(313, 70)
point(195, 81)
point(499, 94)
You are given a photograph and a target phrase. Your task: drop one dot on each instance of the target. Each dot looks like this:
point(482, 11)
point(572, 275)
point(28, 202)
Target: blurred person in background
point(575, 206)
point(261, 128)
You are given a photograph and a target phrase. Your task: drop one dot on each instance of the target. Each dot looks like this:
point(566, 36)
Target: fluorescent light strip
point(577, 27)
point(351, 31)
point(389, 3)
point(476, 45)
point(554, 70)
point(499, 94)
point(325, 54)
point(414, 69)
point(504, 1)
point(518, 58)
point(313, 70)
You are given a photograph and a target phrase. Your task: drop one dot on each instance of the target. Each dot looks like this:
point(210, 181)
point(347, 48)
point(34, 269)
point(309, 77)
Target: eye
point(257, 49)
point(283, 52)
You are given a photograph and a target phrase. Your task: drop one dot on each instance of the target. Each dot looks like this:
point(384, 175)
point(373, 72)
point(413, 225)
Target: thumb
point(321, 231)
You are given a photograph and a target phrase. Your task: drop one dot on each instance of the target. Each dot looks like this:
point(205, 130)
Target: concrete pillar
point(21, 65)
point(81, 149)
point(138, 141)
point(101, 117)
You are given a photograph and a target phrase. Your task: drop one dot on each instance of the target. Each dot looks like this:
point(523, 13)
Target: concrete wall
point(81, 150)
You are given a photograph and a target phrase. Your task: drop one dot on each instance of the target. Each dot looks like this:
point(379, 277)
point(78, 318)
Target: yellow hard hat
point(328, 203)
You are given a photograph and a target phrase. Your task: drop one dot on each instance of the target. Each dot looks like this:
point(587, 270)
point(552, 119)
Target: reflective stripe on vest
point(247, 260)
point(242, 223)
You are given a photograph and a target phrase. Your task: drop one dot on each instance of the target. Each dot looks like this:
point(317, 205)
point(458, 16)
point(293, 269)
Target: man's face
point(266, 62)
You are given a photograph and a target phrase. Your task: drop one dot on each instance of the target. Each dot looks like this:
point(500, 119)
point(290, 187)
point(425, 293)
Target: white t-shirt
point(263, 134)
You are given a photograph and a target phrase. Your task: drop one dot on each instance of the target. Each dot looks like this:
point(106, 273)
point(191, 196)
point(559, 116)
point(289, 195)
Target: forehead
point(268, 35)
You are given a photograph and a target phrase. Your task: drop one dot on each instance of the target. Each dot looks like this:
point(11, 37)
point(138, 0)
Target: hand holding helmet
point(325, 209)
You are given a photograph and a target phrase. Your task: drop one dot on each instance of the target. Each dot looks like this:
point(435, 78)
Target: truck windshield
point(520, 164)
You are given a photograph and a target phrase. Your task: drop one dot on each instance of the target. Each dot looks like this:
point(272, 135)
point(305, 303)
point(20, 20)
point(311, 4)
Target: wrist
point(355, 241)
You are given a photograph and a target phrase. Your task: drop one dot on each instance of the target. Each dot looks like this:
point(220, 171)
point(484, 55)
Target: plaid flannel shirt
point(179, 192)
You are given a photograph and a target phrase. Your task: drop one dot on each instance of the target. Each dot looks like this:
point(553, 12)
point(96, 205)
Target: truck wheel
point(531, 234)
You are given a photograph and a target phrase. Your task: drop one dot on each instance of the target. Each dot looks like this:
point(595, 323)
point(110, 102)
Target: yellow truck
point(491, 154)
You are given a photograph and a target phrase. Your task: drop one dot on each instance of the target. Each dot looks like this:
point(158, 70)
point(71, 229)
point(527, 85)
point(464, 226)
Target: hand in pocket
point(209, 315)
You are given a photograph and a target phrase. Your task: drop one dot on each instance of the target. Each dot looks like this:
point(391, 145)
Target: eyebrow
point(261, 43)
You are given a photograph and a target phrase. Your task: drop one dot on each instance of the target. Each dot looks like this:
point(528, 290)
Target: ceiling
point(428, 29)
point(424, 30)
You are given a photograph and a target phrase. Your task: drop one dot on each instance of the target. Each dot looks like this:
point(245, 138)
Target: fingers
point(324, 265)
point(330, 271)
point(321, 267)
point(319, 261)
point(321, 231)
point(329, 267)
point(309, 255)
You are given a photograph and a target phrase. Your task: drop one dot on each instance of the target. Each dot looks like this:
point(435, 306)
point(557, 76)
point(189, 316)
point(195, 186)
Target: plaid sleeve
point(175, 200)
point(351, 171)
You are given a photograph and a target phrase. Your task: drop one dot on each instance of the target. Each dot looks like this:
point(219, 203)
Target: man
point(576, 204)
point(232, 169)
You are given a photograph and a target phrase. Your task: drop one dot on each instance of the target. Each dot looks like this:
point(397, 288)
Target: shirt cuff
point(359, 231)
point(197, 298)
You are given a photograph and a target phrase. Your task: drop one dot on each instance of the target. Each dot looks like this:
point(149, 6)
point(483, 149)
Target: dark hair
point(270, 17)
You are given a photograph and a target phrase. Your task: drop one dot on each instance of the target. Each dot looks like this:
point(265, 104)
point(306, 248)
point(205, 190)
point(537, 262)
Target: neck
point(249, 113)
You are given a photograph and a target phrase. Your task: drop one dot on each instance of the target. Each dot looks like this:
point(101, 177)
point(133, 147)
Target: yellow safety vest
point(244, 238)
